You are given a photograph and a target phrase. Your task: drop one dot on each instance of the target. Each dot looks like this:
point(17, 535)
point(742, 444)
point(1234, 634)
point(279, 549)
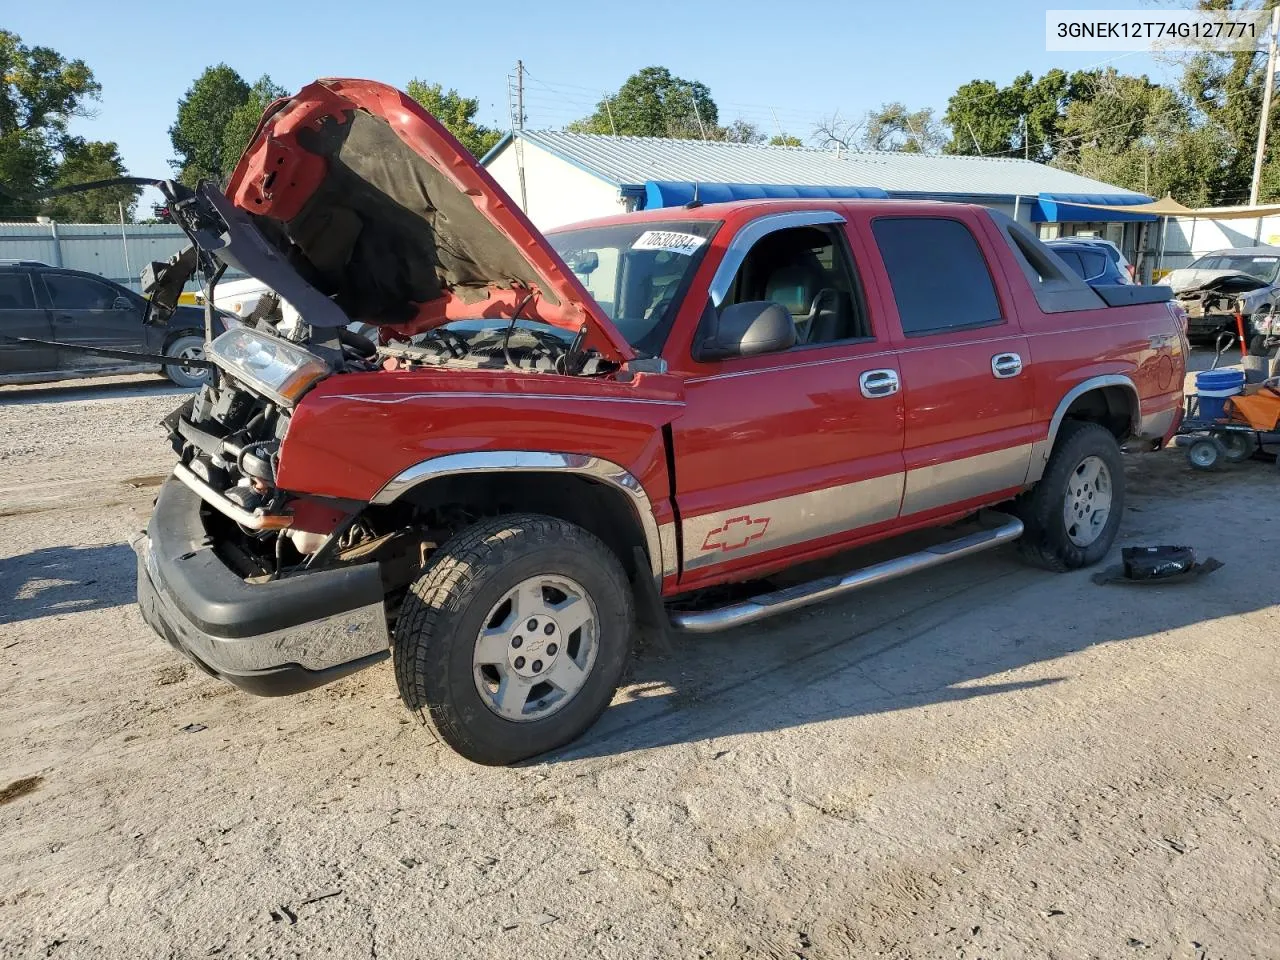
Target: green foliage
point(85, 161)
point(40, 92)
point(740, 131)
point(244, 119)
point(654, 103)
point(894, 127)
point(785, 140)
point(204, 113)
point(457, 113)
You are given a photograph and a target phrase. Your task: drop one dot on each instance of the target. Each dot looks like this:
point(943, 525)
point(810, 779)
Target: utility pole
point(1266, 108)
point(520, 94)
point(517, 131)
point(698, 113)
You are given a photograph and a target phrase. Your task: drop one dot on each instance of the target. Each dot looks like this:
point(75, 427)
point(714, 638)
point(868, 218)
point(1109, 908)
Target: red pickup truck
point(556, 437)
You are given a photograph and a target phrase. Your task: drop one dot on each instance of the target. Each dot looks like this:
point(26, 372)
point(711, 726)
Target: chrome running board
point(801, 595)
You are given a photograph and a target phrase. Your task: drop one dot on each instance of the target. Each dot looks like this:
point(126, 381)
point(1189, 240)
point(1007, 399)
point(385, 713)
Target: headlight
point(282, 371)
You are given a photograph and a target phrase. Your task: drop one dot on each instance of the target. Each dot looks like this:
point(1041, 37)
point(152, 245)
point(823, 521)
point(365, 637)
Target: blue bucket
point(1213, 387)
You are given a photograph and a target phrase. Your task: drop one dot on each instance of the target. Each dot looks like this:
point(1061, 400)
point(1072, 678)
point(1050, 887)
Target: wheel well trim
point(1044, 448)
point(660, 544)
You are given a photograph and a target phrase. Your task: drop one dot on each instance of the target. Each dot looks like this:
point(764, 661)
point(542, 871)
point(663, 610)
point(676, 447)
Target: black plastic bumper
point(270, 639)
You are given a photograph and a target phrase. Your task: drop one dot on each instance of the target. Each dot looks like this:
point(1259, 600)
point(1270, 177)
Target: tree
point(654, 103)
point(199, 133)
point(244, 119)
point(1023, 118)
point(740, 131)
point(457, 113)
point(40, 91)
point(84, 162)
point(894, 127)
point(785, 139)
point(835, 132)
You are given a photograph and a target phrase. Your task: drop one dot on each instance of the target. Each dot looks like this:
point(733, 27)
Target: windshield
point(1261, 268)
point(637, 272)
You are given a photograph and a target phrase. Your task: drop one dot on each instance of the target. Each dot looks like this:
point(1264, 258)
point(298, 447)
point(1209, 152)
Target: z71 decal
point(736, 533)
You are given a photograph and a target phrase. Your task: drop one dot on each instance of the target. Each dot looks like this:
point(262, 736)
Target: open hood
point(376, 205)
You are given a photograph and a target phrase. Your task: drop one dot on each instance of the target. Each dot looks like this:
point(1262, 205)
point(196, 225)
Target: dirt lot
point(984, 761)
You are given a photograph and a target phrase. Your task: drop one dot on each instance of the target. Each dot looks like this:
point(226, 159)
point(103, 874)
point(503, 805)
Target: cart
point(1211, 442)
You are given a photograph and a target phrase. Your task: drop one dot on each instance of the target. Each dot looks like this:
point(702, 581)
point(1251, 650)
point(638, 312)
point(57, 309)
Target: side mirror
point(122, 303)
point(585, 263)
point(748, 329)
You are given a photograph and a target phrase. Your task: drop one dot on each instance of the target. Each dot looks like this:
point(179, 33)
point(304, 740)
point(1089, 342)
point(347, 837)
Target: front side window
point(69, 292)
point(807, 270)
point(939, 276)
point(637, 272)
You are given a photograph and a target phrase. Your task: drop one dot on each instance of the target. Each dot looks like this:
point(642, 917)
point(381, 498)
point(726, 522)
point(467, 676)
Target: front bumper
point(270, 639)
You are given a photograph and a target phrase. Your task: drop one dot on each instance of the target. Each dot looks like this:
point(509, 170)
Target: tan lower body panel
point(958, 480)
point(771, 524)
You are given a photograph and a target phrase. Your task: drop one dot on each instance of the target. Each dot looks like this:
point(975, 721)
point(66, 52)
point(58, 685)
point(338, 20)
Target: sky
point(782, 65)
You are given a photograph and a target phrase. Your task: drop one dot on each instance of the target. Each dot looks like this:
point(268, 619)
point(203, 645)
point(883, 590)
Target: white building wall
point(557, 192)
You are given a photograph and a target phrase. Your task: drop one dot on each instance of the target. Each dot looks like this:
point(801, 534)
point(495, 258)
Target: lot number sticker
point(670, 241)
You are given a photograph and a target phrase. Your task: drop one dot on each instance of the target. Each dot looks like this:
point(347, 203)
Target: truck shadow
point(985, 626)
point(63, 580)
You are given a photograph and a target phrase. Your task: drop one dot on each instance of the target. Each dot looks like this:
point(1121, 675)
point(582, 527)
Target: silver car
point(1211, 288)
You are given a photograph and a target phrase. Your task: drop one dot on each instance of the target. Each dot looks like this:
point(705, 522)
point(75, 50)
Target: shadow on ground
point(61, 580)
point(944, 636)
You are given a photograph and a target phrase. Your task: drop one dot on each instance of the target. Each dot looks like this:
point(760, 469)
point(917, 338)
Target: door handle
point(1006, 365)
point(879, 383)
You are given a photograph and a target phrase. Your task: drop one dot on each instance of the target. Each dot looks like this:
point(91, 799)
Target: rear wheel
point(514, 639)
point(1072, 515)
point(1237, 446)
point(1206, 453)
point(186, 348)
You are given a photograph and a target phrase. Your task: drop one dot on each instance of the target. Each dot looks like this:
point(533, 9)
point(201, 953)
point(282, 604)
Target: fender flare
point(659, 541)
point(1043, 448)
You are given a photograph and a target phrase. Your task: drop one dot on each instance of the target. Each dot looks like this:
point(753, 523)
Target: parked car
point(1106, 246)
point(564, 435)
point(1090, 262)
point(1212, 287)
point(61, 306)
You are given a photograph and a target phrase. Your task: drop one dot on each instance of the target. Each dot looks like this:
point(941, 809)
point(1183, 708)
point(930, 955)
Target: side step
point(801, 595)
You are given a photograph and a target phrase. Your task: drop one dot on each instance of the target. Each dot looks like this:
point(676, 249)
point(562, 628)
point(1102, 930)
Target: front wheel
point(514, 639)
point(184, 375)
point(1072, 515)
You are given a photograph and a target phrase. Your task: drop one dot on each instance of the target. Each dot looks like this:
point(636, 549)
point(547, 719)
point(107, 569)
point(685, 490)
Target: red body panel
point(764, 447)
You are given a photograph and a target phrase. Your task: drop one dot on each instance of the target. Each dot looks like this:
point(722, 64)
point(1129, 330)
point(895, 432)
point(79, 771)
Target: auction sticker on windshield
point(670, 241)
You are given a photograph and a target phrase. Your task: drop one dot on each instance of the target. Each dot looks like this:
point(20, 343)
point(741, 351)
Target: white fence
point(1189, 237)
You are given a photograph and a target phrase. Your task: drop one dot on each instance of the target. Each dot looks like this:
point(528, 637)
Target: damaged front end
point(1211, 307)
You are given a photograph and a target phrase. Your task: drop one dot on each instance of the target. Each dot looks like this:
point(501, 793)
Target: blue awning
point(676, 193)
point(1064, 208)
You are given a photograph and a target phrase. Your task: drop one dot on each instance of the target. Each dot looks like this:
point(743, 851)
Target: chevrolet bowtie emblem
point(736, 533)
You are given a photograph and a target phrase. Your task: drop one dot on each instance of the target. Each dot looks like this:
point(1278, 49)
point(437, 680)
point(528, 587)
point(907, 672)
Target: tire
point(190, 377)
point(1047, 541)
point(477, 583)
point(1236, 447)
point(1206, 453)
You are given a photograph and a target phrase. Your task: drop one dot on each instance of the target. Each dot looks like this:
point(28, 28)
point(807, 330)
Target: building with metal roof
point(559, 177)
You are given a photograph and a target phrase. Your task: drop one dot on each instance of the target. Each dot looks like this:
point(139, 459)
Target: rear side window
point(940, 279)
point(16, 292)
point(1072, 260)
point(1095, 263)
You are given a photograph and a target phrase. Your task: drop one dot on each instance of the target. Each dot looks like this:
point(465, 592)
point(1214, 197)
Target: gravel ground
point(982, 761)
